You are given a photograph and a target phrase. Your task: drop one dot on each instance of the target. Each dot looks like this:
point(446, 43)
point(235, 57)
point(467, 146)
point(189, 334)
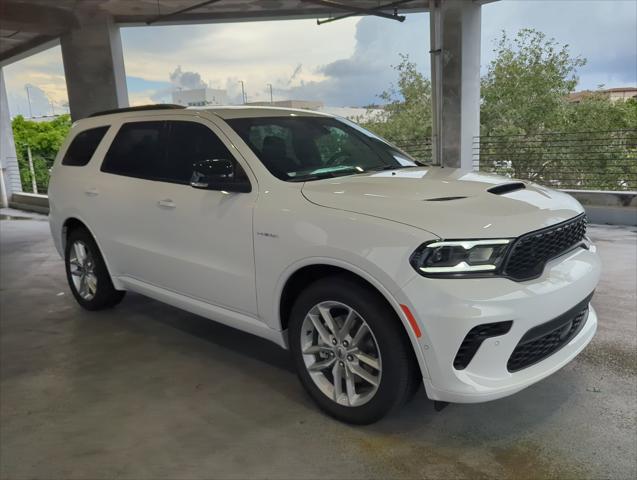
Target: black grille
point(530, 252)
point(474, 339)
point(546, 339)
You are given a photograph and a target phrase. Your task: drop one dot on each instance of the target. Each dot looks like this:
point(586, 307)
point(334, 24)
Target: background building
point(613, 94)
point(200, 97)
point(355, 114)
point(9, 170)
point(302, 104)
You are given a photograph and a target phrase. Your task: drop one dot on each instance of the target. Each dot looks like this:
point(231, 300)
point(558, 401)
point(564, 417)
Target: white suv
point(378, 273)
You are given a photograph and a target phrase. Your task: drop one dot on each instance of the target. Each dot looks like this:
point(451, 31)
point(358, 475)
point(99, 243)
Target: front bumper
point(447, 309)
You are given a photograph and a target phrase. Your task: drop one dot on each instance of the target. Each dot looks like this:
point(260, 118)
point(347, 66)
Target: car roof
point(247, 111)
point(224, 112)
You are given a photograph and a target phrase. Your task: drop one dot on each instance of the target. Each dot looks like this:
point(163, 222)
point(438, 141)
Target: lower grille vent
point(546, 339)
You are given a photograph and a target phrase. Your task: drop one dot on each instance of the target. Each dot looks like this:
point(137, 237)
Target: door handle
point(92, 192)
point(166, 203)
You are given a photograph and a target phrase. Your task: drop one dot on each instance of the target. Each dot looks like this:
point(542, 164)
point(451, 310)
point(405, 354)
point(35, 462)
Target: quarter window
point(136, 150)
point(83, 146)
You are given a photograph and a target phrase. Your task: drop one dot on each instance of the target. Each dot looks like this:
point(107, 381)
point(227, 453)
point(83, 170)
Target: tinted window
point(83, 146)
point(336, 145)
point(309, 148)
point(136, 150)
point(270, 138)
point(164, 151)
point(189, 143)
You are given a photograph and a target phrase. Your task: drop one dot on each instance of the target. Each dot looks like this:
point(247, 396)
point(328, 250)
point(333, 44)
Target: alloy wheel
point(341, 353)
point(82, 268)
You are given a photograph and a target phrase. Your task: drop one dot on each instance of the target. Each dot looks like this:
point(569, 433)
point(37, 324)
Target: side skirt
point(237, 320)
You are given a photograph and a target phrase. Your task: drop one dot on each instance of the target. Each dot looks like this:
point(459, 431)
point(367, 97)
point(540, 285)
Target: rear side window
point(136, 150)
point(83, 146)
point(164, 151)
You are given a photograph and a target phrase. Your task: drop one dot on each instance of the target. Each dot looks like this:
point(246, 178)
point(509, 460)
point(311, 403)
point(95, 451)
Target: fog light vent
point(474, 339)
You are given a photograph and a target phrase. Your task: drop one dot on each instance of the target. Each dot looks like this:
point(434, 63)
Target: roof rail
point(141, 108)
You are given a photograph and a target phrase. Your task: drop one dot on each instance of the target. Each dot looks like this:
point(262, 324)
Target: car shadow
point(492, 421)
point(210, 331)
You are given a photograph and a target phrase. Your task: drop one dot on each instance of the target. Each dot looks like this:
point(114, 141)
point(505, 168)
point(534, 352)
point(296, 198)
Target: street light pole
point(50, 103)
point(26, 87)
point(34, 184)
point(271, 99)
point(243, 92)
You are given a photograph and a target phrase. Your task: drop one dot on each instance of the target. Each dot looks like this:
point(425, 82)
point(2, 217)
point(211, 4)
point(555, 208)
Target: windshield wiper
point(389, 167)
point(322, 175)
point(326, 173)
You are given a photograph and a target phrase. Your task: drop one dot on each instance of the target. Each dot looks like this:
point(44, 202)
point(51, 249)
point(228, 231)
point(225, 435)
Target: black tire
point(400, 378)
point(105, 295)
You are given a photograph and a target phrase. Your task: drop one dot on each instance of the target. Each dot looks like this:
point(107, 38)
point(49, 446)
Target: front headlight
point(453, 258)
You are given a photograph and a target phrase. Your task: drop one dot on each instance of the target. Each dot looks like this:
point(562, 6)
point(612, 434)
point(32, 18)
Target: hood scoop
point(506, 188)
point(443, 199)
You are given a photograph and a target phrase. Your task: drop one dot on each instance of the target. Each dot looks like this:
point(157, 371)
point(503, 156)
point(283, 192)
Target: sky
point(344, 63)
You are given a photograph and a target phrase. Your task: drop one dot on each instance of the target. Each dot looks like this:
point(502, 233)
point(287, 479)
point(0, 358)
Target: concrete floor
point(148, 391)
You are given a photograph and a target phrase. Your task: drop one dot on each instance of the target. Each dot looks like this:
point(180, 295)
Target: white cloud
point(257, 53)
point(146, 97)
point(44, 74)
point(342, 63)
point(602, 31)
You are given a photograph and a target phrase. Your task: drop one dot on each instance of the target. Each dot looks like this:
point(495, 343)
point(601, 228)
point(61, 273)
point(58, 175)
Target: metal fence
point(567, 160)
point(574, 160)
point(605, 160)
point(420, 150)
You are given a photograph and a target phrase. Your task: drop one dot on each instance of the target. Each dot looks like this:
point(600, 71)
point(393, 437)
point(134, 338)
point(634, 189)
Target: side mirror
point(218, 174)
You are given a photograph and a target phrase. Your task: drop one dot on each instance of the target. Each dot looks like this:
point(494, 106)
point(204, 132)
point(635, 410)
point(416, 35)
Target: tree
point(527, 84)
point(530, 129)
point(603, 134)
point(44, 139)
point(406, 116)
point(596, 113)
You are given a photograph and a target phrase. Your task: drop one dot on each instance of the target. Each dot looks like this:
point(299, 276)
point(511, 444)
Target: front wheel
point(350, 351)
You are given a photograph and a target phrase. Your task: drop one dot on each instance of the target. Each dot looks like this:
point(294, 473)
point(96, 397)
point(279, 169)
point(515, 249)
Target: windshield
point(297, 148)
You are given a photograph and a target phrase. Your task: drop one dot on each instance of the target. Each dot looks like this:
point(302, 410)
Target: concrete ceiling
point(26, 25)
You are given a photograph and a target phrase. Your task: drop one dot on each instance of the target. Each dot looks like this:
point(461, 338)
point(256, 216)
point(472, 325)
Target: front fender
point(393, 295)
point(292, 233)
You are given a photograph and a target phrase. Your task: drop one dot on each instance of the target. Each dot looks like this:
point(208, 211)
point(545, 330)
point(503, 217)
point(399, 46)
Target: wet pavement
point(148, 391)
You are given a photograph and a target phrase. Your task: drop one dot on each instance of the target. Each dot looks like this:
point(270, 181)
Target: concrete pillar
point(455, 72)
point(94, 66)
point(9, 170)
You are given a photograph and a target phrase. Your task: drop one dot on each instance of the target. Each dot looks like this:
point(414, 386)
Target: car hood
point(449, 203)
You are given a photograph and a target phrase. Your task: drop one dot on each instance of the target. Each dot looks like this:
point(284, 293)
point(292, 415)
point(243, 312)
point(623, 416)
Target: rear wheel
point(350, 351)
point(87, 274)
